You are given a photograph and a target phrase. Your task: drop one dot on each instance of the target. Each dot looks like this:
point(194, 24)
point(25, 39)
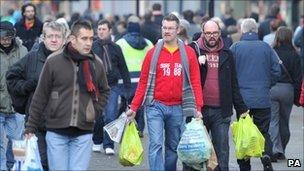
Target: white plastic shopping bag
point(116, 128)
point(194, 147)
point(19, 150)
point(32, 160)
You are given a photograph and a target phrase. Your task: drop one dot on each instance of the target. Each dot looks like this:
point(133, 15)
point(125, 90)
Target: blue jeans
point(170, 118)
point(219, 127)
point(68, 152)
point(110, 114)
point(11, 127)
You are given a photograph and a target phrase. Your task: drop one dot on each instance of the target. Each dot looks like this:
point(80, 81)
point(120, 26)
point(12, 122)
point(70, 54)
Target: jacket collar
point(250, 36)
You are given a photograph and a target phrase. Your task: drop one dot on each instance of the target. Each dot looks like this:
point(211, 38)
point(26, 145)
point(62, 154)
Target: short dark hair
point(188, 15)
point(27, 5)
point(156, 7)
point(104, 21)
point(171, 17)
point(79, 24)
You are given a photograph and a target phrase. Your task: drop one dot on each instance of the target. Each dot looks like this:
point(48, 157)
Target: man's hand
point(243, 115)
point(28, 135)
point(198, 115)
point(131, 114)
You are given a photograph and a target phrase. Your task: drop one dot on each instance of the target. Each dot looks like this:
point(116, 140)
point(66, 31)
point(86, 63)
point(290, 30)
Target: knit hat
point(7, 29)
point(133, 27)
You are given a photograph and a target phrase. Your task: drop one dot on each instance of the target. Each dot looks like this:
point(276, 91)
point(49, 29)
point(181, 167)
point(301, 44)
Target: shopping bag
point(248, 140)
point(26, 155)
point(19, 151)
point(194, 147)
point(131, 151)
point(116, 128)
point(32, 160)
point(212, 161)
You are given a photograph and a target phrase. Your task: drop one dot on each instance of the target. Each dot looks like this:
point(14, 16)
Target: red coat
point(169, 80)
point(301, 101)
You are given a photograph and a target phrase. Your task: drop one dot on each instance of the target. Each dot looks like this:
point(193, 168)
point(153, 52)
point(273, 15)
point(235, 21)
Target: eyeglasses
point(214, 34)
point(7, 38)
point(169, 28)
point(51, 36)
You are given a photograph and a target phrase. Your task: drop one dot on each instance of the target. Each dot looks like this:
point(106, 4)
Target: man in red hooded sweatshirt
point(170, 88)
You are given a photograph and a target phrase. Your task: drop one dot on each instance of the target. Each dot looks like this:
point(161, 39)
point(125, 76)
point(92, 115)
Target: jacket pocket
point(90, 112)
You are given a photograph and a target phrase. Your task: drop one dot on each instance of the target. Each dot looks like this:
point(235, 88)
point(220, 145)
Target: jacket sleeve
point(16, 79)
point(195, 79)
point(40, 99)
point(275, 67)
point(142, 84)
point(237, 98)
point(104, 89)
point(123, 70)
point(296, 75)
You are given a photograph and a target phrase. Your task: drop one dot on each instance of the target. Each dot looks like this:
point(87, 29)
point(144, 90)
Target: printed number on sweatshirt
point(167, 71)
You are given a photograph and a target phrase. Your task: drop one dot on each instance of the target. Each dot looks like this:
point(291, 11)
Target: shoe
point(96, 147)
point(281, 156)
point(140, 134)
point(273, 159)
point(109, 151)
point(266, 163)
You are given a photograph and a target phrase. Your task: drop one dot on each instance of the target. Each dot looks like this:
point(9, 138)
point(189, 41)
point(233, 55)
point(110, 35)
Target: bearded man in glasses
point(220, 88)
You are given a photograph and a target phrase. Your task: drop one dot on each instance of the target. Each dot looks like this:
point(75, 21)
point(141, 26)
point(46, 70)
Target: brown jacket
point(59, 99)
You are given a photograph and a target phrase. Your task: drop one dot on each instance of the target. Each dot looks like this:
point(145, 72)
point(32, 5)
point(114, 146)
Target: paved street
point(100, 161)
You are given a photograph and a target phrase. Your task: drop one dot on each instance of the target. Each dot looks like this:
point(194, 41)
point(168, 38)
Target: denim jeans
point(11, 127)
point(161, 117)
point(68, 152)
point(110, 114)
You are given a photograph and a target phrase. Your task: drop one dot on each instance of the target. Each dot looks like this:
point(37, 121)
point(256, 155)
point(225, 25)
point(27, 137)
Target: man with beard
point(116, 68)
point(220, 88)
point(11, 123)
point(29, 27)
point(22, 77)
point(170, 89)
point(71, 92)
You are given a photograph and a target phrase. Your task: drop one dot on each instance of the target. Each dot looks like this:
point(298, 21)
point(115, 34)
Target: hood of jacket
point(135, 40)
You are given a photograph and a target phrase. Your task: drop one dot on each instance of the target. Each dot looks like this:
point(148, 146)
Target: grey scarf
point(188, 101)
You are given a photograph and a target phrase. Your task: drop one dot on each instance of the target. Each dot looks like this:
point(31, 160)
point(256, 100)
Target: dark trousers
point(219, 127)
point(261, 118)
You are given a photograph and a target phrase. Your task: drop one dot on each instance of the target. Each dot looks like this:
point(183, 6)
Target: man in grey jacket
point(71, 92)
point(11, 124)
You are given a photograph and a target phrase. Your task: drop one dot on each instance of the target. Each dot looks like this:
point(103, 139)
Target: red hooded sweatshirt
point(169, 78)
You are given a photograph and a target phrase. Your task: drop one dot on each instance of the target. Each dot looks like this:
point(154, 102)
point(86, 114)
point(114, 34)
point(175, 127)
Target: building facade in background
point(291, 10)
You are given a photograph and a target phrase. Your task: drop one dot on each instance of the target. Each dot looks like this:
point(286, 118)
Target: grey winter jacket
point(7, 60)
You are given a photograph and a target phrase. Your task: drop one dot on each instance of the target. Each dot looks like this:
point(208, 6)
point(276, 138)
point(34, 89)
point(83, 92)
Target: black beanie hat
point(7, 29)
point(133, 27)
